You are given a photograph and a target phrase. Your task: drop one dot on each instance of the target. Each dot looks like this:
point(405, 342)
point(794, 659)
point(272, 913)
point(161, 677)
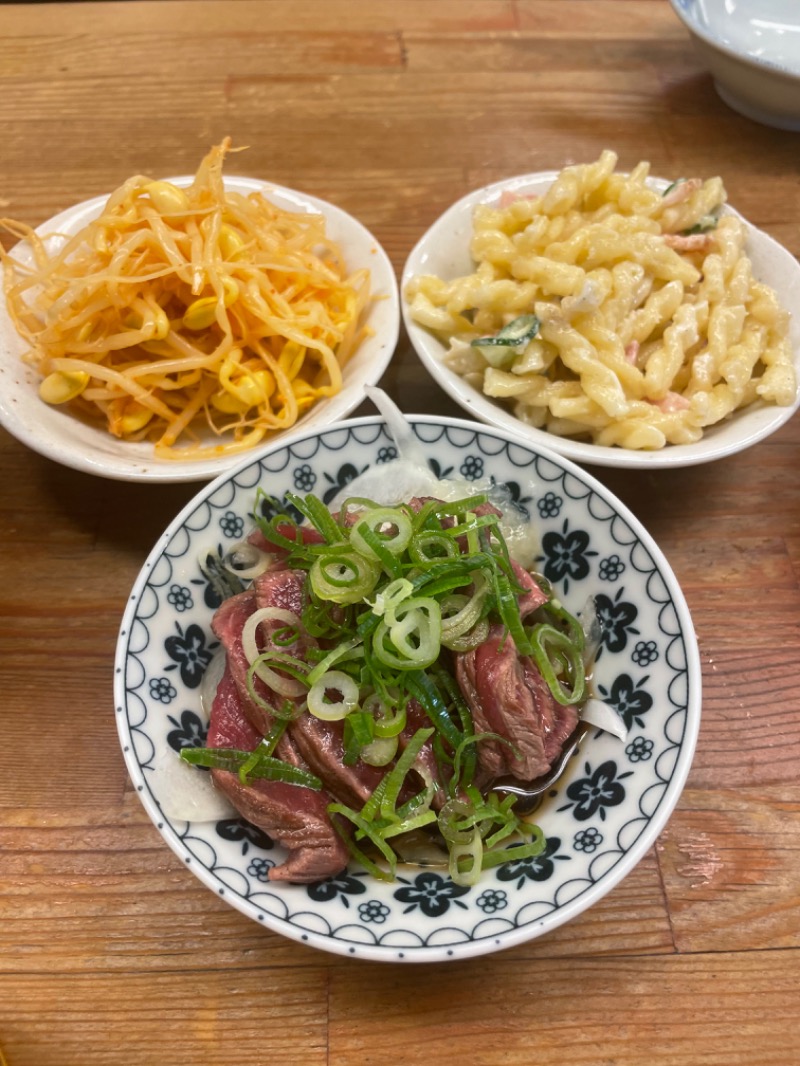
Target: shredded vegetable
point(183, 311)
point(386, 612)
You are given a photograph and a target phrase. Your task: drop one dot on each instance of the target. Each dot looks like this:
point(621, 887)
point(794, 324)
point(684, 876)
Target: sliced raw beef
point(293, 815)
point(508, 696)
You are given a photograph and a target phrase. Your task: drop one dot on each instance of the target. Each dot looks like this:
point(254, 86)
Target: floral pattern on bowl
point(600, 818)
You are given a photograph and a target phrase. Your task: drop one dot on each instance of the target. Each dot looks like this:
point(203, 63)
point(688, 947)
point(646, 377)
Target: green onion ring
point(545, 637)
point(335, 681)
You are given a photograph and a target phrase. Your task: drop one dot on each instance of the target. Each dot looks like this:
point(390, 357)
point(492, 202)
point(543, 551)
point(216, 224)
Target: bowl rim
point(141, 465)
point(708, 37)
point(566, 912)
point(479, 406)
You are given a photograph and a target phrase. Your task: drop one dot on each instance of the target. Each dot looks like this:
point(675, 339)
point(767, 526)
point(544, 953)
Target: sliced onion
point(284, 686)
point(212, 675)
point(247, 561)
point(333, 681)
point(600, 714)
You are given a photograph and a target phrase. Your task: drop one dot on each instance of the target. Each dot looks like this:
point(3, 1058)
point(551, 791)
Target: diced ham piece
point(509, 196)
point(632, 352)
point(681, 192)
point(689, 242)
point(671, 403)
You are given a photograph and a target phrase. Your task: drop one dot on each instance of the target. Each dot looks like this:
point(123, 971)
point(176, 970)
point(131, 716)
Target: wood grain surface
point(110, 951)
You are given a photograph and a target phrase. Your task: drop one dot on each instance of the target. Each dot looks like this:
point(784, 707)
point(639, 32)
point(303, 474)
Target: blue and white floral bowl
point(604, 814)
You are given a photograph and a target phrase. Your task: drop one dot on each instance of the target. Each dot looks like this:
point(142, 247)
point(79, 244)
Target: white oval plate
point(600, 819)
point(59, 435)
point(444, 251)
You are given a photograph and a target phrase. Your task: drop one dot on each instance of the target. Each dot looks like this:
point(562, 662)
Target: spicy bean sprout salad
point(385, 666)
point(197, 318)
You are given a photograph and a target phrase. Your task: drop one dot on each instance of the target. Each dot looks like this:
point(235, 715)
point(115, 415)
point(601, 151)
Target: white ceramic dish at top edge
point(57, 434)
point(752, 50)
point(601, 818)
point(444, 250)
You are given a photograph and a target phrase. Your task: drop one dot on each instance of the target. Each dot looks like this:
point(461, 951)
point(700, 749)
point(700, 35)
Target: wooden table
point(110, 951)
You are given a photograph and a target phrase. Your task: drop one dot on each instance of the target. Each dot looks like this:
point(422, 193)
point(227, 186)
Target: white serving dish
point(752, 49)
point(56, 433)
point(444, 251)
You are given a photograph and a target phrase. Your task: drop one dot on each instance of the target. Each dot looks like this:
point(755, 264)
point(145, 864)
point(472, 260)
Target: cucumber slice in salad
point(499, 350)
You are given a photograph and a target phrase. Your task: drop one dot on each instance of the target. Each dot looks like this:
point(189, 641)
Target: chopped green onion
point(378, 752)
point(270, 527)
point(285, 709)
point(359, 733)
point(259, 661)
point(451, 821)
point(391, 596)
point(466, 860)
point(397, 774)
point(284, 637)
point(386, 724)
point(376, 549)
point(319, 702)
point(295, 684)
point(461, 506)
point(558, 616)
point(319, 516)
point(417, 821)
point(412, 639)
point(343, 577)
point(358, 503)
point(370, 833)
point(506, 603)
point(431, 546)
point(341, 651)
point(265, 748)
point(375, 522)
point(461, 613)
point(475, 739)
point(427, 694)
point(554, 653)
point(472, 524)
point(516, 852)
point(267, 768)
